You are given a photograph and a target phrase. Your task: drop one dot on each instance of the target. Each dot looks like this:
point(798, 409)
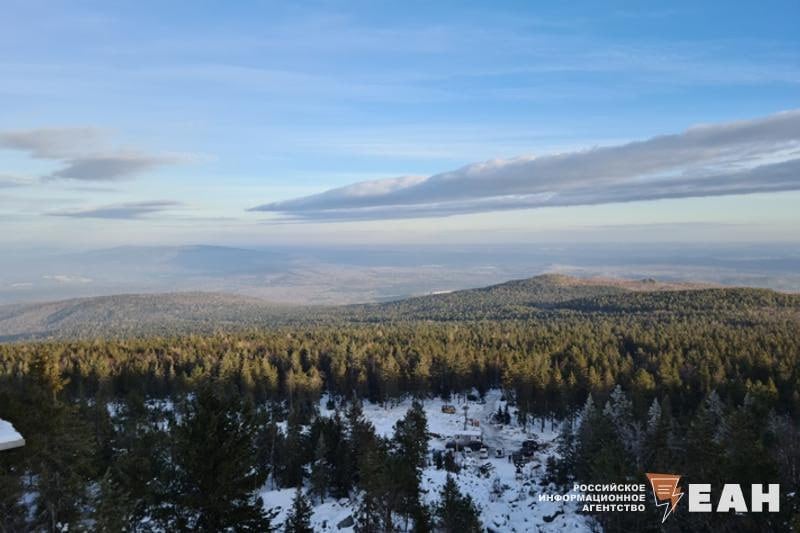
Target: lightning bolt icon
point(666, 492)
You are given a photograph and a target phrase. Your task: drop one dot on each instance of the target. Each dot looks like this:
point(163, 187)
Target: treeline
point(552, 365)
point(723, 303)
point(554, 297)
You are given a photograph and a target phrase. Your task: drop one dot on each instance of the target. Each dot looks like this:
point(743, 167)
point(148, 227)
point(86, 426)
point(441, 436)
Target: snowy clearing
point(507, 500)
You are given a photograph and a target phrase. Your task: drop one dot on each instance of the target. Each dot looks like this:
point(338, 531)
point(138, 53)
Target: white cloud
point(84, 153)
point(127, 211)
point(65, 279)
point(759, 155)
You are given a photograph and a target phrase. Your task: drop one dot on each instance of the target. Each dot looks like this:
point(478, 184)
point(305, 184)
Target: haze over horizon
point(410, 127)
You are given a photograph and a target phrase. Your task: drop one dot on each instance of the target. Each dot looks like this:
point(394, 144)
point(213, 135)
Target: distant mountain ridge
point(135, 314)
point(170, 314)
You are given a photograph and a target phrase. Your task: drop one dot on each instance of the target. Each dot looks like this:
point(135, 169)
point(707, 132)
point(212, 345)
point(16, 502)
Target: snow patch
point(506, 503)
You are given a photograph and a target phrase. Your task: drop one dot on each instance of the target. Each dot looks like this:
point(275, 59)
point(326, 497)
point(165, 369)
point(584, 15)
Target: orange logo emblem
point(666, 492)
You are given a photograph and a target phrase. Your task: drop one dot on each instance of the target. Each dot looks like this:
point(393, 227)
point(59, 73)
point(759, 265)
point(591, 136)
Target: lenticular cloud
point(759, 155)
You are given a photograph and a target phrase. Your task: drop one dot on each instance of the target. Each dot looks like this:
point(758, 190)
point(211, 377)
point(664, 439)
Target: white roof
point(9, 438)
point(468, 433)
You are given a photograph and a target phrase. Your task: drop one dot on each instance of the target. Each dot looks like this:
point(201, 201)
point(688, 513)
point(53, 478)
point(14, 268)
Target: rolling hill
point(170, 314)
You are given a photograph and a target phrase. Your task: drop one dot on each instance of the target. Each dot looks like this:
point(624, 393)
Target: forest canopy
point(697, 380)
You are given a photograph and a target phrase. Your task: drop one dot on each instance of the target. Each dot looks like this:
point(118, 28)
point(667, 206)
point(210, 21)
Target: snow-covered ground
point(506, 503)
point(9, 438)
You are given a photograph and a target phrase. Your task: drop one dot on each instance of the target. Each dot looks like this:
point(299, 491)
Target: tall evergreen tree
point(456, 513)
point(368, 516)
point(409, 458)
point(320, 470)
point(299, 519)
point(60, 449)
point(113, 508)
point(216, 483)
point(294, 454)
point(12, 513)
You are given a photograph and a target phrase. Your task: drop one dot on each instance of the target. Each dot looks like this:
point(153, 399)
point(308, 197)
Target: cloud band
point(759, 155)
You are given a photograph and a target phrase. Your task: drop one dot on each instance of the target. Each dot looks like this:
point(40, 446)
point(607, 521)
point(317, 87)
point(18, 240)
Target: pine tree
point(12, 513)
point(46, 374)
point(368, 516)
point(411, 436)
point(745, 453)
point(269, 442)
point(409, 458)
point(422, 519)
point(456, 513)
point(659, 438)
point(561, 470)
point(320, 470)
point(216, 484)
point(600, 455)
point(382, 493)
point(619, 411)
point(299, 519)
point(142, 463)
point(113, 508)
point(60, 447)
point(294, 454)
point(653, 418)
point(703, 441)
point(340, 462)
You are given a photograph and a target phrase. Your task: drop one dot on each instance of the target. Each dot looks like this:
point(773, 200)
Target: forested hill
point(545, 296)
point(554, 294)
point(128, 315)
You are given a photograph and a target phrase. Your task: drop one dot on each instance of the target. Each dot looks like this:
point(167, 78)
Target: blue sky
point(167, 122)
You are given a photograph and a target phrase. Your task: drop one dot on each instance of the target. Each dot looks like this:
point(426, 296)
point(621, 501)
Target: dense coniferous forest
point(178, 434)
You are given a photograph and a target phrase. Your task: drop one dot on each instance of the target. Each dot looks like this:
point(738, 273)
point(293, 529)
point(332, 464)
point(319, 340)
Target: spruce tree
point(560, 471)
point(60, 447)
point(299, 519)
point(216, 483)
point(294, 454)
point(409, 458)
point(320, 470)
point(12, 513)
point(368, 516)
point(360, 438)
point(456, 513)
point(113, 508)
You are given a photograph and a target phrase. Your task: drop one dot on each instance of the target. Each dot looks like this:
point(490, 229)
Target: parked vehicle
point(484, 453)
point(518, 459)
point(449, 409)
point(467, 452)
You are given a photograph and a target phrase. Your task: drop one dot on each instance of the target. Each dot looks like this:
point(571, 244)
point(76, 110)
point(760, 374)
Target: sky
point(252, 123)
